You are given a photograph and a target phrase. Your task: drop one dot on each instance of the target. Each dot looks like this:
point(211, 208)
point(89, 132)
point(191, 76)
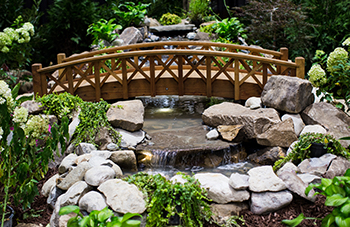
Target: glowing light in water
point(165, 110)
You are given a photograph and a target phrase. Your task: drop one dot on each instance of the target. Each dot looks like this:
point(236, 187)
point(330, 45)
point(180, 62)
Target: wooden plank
point(60, 58)
point(284, 57)
point(97, 81)
point(208, 63)
point(237, 92)
point(70, 80)
point(37, 80)
point(264, 74)
point(180, 75)
point(152, 75)
point(300, 71)
point(125, 79)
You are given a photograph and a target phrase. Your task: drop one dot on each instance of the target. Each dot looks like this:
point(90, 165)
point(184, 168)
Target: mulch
point(298, 205)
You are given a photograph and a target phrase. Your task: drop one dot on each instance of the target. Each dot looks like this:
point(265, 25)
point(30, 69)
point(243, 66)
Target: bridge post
point(60, 58)
point(37, 80)
point(237, 90)
point(300, 71)
point(180, 75)
point(125, 79)
point(97, 81)
point(284, 57)
point(152, 76)
point(208, 63)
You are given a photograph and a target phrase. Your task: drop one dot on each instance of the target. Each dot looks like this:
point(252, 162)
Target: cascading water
point(178, 139)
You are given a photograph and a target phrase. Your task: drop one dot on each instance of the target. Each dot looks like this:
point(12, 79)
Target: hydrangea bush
point(22, 162)
point(331, 74)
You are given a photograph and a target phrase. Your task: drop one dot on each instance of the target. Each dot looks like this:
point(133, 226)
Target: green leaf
point(342, 222)
point(15, 90)
point(104, 214)
point(69, 209)
point(328, 220)
point(294, 222)
point(345, 209)
point(335, 200)
point(131, 223)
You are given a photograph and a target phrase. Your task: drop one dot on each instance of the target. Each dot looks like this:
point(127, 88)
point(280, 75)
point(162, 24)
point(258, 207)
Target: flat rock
point(297, 122)
point(125, 159)
point(254, 121)
point(172, 28)
point(123, 197)
point(263, 179)
point(219, 189)
point(45, 190)
point(313, 128)
point(316, 166)
point(267, 202)
point(77, 174)
point(338, 167)
point(67, 163)
point(289, 94)
point(239, 181)
point(289, 166)
point(127, 115)
point(73, 194)
point(267, 156)
point(334, 120)
point(222, 212)
point(97, 175)
point(297, 185)
point(92, 201)
point(130, 139)
point(309, 178)
point(229, 132)
point(281, 134)
point(102, 153)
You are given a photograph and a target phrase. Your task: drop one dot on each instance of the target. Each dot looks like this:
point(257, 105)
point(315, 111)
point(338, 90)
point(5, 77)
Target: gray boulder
point(92, 201)
point(263, 179)
point(289, 94)
point(77, 174)
point(297, 121)
point(313, 128)
point(338, 167)
point(67, 163)
point(130, 139)
point(316, 166)
point(127, 115)
point(267, 202)
point(131, 35)
point(172, 28)
point(239, 181)
point(48, 185)
point(98, 175)
point(125, 159)
point(73, 194)
point(85, 148)
point(267, 156)
point(53, 196)
point(33, 107)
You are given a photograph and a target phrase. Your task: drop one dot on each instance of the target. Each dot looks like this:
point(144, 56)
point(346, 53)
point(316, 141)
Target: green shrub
point(230, 29)
point(207, 29)
point(131, 13)
point(169, 19)
point(103, 30)
point(198, 10)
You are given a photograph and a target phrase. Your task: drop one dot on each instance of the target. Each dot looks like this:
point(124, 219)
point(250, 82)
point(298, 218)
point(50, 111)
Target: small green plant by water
point(103, 30)
point(130, 13)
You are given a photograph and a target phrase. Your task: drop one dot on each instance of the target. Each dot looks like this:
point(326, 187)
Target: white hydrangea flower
point(4, 89)
point(5, 49)
point(20, 115)
point(2, 100)
point(36, 126)
point(1, 149)
point(29, 27)
point(1, 133)
point(12, 33)
point(338, 56)
point(317, 76)
point(5, 39)
point(346, 42)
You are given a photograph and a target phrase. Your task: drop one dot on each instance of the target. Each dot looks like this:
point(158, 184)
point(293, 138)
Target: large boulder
point(263, 179)
point(297, 121)
point(74, 193)
point(131, 35)
point(267, 156)
point(92, 201)
point(77, 174)
point(281, 134)
point(289, 94)
point(338, 167)
point(130, 139)
point(33, 107)
point(127, 115)
point(316, 166)
point(331, 118)
point(266, 202)
point(98, 175)
point(254, 121)
point(125, 159)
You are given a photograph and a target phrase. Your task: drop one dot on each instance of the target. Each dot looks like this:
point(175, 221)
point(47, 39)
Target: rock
point(74, 124)
point(254, 121)
point(50, 183)
point(127, 115)
point(229, 132)
point(77, 174)
point(92, 201)
point(83, 158)
point(118, 42)
point(154, 38)
point(309, 178)
point(125, 159)
point(203, 36)
point(222, 212)
point(55, 192)
point(63, 220)
point(253, 103)
point(267, 202)
point(103, 138)
point(219, 189)
point(96, 161)
point(212, 134)
point(239, 181)
point(73, 194)
point(33, 107)
point(263, 179)
point(172, 28)
point(297, 121)
point(289, 166)
point(131, 35)
point(191, 35)
point(313, 128)
point(289, 94)
point(178, 178)
point(85, 148)
point(296, 185)
point(338, 167)
point(67, 163)
point(54, 220)
point(281, 134)
point(112, 147)
point(101, 153)
point(267, 156)
point(27, 225)
point(130, 139)
point(316, 166)
point(153, 22)
point(291, 147)
point(335, 121)
point(123, 197)
point(98, 175)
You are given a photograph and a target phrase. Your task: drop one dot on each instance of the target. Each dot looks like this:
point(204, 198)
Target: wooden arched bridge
point(166, 68)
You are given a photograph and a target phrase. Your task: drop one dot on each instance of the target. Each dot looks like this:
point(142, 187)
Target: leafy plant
point(230, 29)
point(232, 221)
point(102, 218)
point(198, 10)
point(23, 163)
point(169, 19)
point(163, 197)
point(337, 192)
point(301, 149)
point(104, 30)
point(207, 29)
point(130, 13)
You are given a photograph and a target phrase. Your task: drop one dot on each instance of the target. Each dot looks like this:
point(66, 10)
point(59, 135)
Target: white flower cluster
point(20, 35)
point(346, 42)
point(1, 133)
point(36, 126)
point(317, 76)
point(5, 95)
point(338, 56)
point(20, 115)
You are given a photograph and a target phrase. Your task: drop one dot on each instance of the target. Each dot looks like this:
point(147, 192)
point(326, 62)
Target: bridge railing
point(151, 69)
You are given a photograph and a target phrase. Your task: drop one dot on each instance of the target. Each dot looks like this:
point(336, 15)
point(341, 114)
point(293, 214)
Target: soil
point(298, 205)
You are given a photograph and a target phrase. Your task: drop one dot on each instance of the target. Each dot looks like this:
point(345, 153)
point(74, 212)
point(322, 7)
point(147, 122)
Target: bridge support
point(300, 71)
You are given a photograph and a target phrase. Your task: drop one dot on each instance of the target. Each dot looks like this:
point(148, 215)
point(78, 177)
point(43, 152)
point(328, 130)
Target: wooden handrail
point(169, 52)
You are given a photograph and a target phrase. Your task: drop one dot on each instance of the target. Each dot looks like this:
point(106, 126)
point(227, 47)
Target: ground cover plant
point(169, 19)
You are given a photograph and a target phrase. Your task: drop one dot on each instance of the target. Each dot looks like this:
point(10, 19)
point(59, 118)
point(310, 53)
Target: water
point(166, 114)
